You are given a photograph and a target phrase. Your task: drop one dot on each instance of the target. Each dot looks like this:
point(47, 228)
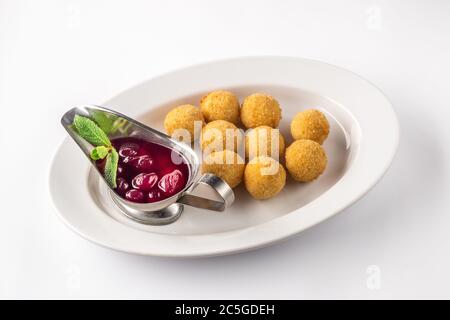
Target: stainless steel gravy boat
point(205, 191)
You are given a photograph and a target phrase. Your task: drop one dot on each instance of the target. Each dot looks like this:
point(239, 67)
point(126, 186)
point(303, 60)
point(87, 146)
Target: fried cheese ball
point(258, 142)
point(227, 165)
point(264, 177)
point(260, 110)
point(310, 124)
point(220, 105)
point(184, 117)
point(305, 160)
point(219, 135)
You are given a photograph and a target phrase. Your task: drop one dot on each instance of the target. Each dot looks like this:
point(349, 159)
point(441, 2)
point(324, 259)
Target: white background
point(59, 54)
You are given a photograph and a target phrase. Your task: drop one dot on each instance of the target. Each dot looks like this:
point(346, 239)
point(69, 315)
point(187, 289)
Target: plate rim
point(262, 243)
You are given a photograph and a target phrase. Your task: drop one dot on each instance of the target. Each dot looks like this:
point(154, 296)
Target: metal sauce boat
point(205, 191)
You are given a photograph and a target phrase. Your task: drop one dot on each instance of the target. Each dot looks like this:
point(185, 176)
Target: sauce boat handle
point(207, 187)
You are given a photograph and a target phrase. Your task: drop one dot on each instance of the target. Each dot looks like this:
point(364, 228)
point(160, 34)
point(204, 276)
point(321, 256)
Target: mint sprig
point(92, 133)
point(104, 121)
point(100, 152)
point(112, 161)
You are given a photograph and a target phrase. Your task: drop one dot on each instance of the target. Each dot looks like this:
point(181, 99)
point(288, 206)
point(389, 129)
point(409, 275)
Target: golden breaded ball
point(184, 117)
point(219, 135)
point(220, 105)
point(260, 110)
point(264, 177)
point(305, 160)
point(310, 124)
point(258, 142)
point(227, 165)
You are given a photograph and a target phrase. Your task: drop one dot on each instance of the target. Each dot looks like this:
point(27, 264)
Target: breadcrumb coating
point(258, 142)
point(220, 135)
point(264, 177)
point(305, 160)
point(220, 105)
point(260, 110)
point(184, 117)
point(310, 124)
point(227, 165)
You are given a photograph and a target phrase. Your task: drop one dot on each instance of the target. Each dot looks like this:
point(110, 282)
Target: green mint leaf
point(90, 131)
point(112, 161)
point(104, 121)
point(99, 152)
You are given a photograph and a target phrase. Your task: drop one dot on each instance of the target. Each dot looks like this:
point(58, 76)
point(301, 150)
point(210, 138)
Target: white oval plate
point(362, 142)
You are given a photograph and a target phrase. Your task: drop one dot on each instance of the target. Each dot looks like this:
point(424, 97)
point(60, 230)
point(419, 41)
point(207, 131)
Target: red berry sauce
point(146, 171)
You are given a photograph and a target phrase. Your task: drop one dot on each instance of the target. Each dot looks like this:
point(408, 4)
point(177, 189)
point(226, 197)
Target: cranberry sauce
point(146, 171)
